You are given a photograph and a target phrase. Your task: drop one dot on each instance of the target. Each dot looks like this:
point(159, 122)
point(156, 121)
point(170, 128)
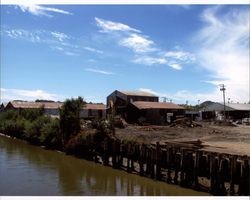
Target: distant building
point(118, 101)
point(135, 106)
point(232, 110)
point(50, 108)
point(93, 111)
point(89, 111)
point(154, 112)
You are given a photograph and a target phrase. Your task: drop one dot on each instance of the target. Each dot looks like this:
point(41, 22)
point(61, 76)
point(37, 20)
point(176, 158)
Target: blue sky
point(179, 52)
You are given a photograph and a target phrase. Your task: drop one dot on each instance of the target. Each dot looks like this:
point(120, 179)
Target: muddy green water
point(30, 170)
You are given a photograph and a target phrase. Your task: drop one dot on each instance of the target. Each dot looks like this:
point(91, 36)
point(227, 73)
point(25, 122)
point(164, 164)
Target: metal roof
point(25, 104)
point(94, 106)
point(137, 93)
point(239, 106)
point(53, 105)
point(155, 105)
point(228, 107)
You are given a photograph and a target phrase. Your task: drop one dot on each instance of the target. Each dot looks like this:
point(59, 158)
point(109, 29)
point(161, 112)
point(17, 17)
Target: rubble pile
point(185, 122)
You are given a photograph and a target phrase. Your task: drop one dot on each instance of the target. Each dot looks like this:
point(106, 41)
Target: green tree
point(70, 118)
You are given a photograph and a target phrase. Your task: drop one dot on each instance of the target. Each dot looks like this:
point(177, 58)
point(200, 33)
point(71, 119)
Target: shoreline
point(173, 164)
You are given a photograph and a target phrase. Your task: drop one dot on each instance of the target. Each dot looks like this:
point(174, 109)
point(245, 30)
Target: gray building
point(232, 111)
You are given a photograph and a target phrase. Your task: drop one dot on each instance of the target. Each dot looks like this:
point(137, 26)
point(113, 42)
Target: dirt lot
point(214, 137)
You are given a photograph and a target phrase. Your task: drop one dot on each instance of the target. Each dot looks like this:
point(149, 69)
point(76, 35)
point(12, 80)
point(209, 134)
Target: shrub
point(50, 134)
point(31, 114)
point(33, 129)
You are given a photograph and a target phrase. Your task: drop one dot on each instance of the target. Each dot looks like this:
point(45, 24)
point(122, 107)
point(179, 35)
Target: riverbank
point(173, 154)
point(184, 164)
point(30, 170)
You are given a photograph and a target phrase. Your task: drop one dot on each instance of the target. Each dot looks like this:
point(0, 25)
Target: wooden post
point(141, 158)
point(183, 166)
point(189, 169)
point(169, 164)
point(113, 146)
point(223, 175)
point(152, 164)
point(177, 166)
point(232, 173)
point(128, 157)
point(158, 161)
point(220, 177)
point(244, 179)
point(105, 153)
point(197, 168)
point(217, 185)
point(213, 172)
point(148, 167)
point(132, 156)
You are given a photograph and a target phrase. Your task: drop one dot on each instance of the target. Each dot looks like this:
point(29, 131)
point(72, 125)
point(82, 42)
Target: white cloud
point(68, 53)
point(58, 41)
point(146, 60)
point(138, 43)
point(108, 26)
point(175, 66)
point(180, 55)
point(173, 59)
point(60, 36)
point(29, 95)
point(178, 58)
point(99, 71)
point(34, 36)
point(93, 50)
point(145, 50)
point(224, 50)
point(41, 10)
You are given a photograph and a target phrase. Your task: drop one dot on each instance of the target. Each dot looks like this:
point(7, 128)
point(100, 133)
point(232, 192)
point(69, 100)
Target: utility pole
point(222, 88)
point(228, 108)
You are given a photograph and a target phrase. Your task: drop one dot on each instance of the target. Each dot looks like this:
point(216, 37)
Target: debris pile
point(224, 123)
point(119, 122)
point(185, 122)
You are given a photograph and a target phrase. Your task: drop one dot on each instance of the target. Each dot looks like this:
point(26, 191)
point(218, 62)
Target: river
point(31, 170)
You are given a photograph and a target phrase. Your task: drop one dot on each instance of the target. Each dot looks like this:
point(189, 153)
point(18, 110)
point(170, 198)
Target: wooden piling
point(177, 166)
point(105, 153)
point(141, 159)
point(158, 161)
point(232, 173)
point(198, 155)
point(152, 164)
point(128, 157)
point(169, 163)
point(245, 179)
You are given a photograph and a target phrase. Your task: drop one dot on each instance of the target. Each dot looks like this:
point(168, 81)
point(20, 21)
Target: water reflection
point(30, 170)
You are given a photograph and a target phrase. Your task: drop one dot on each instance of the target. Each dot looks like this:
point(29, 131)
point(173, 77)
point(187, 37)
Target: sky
point(181, 52)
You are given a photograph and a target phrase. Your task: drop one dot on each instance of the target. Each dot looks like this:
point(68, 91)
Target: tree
point(70, 118)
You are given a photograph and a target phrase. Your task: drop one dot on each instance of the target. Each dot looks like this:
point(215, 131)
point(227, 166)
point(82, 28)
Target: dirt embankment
point(215, 137)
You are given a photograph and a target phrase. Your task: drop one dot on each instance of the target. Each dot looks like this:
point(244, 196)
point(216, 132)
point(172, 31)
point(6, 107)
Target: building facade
point(233, 111)
point(136, 107)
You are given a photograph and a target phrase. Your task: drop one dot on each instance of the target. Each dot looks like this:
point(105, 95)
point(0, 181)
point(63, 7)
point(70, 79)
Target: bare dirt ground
point(220, 138)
